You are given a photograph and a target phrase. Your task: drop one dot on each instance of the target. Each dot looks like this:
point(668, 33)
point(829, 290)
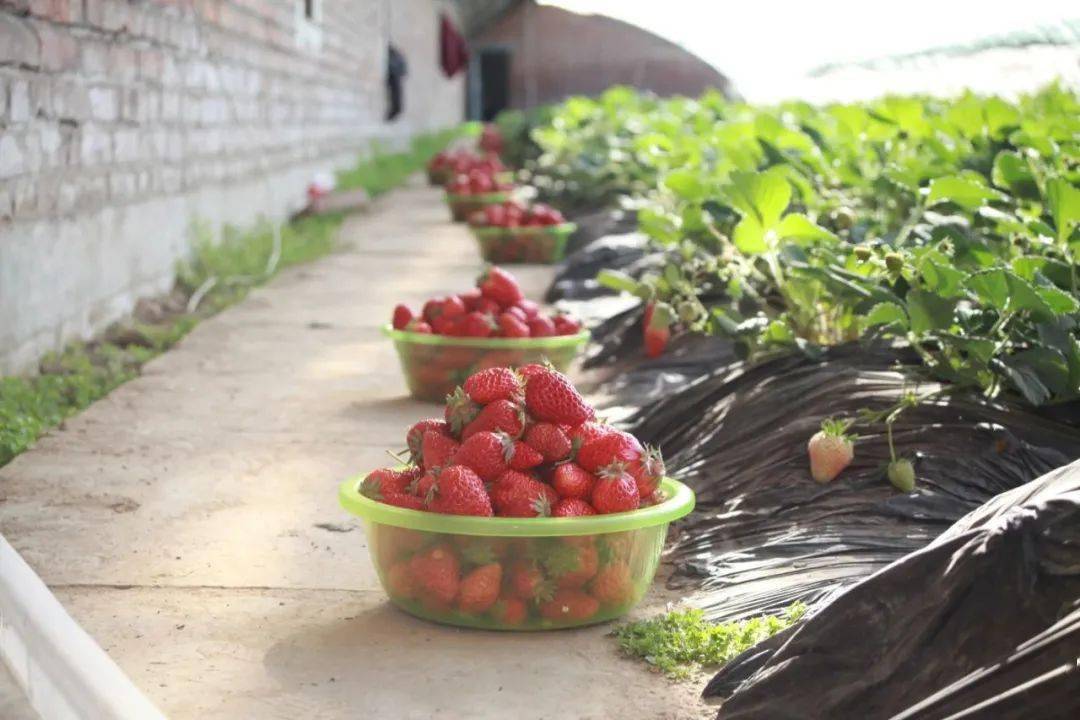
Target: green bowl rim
point(679, 503)
point(486, 198)
point(565, 228)
point(497, 343)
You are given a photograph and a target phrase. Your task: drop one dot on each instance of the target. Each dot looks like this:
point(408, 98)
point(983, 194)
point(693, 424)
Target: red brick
point(59, 51)
point(18, 44)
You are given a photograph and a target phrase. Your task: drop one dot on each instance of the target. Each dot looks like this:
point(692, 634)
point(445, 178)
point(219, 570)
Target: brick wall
point(124, 121)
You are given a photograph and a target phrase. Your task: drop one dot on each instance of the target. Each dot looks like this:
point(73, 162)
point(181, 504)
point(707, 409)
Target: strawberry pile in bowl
point(517, 509)
point(492, 325)
point(469, 192)
point(448, 164)
point(512, 232)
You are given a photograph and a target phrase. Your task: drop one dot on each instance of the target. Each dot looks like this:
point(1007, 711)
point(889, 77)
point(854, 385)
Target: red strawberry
point(509, 611)
point(453, 307)
point(566, 325)
point(527, 371)
point(570, 605)
point(615, 491)
point(572, 507)
point(549, 440)
point(459, 491)
point(460, 411)
point(647, 471)
point(500, 286)
point(425, 484)
point(446, 325)
point(516, 494)
point(656, 342)
point(478, 324)
point(483, 453)
point(437, 450)
point(436, 572)
point(517, 312)
point(612, 446)
point(551, 397)
point(418, 326)
point(518, 455)
point(432, 309)
point(402, 316)
point(656, 333)
point(399, 581)
point(512, 326)
point(530, 308)
point(497, 383)
point(500, 416)
point(585, 433)
point(480, 589)
point(403, 500)
point(489, 306)
point(613, 585)
point(527, 581)
point(414, 438)
point(541, 326)
point(831, 450)
point(388, 480)
point(574, 563)
point(471, 298)
point(571, 480)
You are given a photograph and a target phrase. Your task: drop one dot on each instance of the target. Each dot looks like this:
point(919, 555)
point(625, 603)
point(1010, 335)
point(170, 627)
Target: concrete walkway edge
point(64, 673)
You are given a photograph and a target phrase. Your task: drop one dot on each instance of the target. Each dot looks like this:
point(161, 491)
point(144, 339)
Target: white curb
point(64, 673)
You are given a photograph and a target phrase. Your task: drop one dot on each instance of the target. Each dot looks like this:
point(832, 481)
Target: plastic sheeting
point(764, 534)
point(983, 622)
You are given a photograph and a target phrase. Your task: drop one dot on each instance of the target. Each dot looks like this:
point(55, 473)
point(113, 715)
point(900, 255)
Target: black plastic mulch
point(982, 623)
point(909, 619)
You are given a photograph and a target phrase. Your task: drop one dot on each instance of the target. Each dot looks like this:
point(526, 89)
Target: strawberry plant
point(945, 226)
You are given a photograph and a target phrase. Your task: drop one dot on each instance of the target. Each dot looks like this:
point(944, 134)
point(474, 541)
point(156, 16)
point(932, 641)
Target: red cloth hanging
point(453, 51)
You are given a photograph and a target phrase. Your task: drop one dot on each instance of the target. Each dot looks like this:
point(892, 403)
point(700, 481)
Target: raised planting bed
point(855, 325)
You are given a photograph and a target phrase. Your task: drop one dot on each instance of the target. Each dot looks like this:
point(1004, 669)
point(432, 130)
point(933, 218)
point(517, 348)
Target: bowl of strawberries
point(517, 510)
point(469, 192)
point(512, 232)
point(491, 325)
point(448, 164)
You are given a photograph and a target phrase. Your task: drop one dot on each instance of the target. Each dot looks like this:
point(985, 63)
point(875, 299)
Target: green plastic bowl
point(592, 569)
point(544, 245)
point(436, 364)
point(462, 206)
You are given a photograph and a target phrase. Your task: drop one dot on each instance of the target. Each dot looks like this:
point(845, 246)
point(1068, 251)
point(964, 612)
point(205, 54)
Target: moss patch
point(683, 641)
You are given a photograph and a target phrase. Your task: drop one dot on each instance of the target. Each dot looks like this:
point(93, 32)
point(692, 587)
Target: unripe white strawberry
point(831, 450)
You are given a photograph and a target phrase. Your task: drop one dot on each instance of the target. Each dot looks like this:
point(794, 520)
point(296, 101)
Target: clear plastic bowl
point(544, 245)
point(579, 571)
point(436, 364)
point(462, 206)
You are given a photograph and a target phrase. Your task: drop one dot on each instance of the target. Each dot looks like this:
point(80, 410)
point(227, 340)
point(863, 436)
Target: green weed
point(683, 641)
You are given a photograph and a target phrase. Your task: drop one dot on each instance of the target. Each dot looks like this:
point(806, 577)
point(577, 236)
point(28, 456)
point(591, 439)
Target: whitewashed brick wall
point(124, 121)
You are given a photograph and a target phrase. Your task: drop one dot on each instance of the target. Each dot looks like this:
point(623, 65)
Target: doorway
point(490, 80)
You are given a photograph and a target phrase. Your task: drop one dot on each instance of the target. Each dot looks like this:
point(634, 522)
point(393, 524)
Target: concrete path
point(189, 521)
point(13, 703)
